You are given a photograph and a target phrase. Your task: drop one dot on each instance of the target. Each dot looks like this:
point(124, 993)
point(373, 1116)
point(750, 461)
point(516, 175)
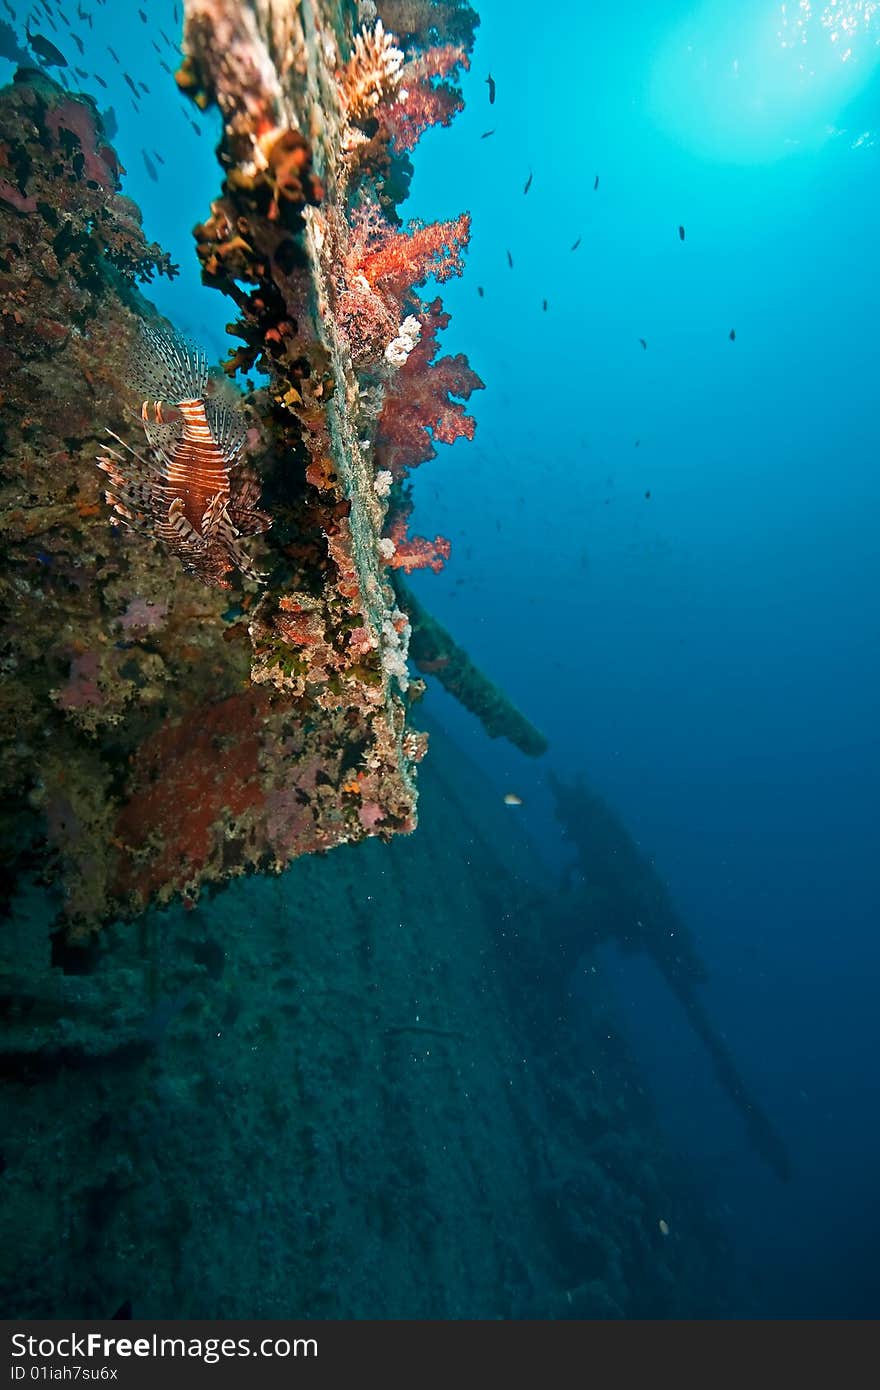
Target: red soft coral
point(394, 262)
point(418, 410)
point(422, 101)
point(415, 552)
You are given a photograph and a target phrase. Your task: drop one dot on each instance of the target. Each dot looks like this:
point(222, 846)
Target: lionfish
point(190, 491)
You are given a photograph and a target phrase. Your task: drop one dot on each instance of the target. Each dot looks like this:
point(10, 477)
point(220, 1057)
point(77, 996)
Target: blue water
point(667, 555)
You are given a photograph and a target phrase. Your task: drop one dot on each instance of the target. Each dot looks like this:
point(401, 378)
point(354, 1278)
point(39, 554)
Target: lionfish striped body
point(190, 491)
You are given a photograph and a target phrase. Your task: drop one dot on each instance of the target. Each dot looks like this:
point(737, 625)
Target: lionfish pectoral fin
point(216, 521)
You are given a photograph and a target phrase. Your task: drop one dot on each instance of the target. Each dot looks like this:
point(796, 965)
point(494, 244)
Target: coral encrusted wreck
point(162, 731)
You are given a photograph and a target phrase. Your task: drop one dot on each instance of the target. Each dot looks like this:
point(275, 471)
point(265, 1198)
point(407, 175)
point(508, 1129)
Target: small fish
point(81, 72)
point(196, 127)
point(155, 45)
point(681, 233)
point(643, 343)
point(150, 167)
point(144, 88)
point(79, 43)
point(176, 12)
point(164, 65)
point(664, 1227)
point(51, 56)
point(486, 133)
point(490, 83)
point(528, 182)
point(576, 244)
point(132, 84)
point(167, 40)
point(544, 306)
point(144, 19)
point(595, 183)
point(732, 335)
point(511, 799)
point(113, 54)
point(637, 443)
point(510, 260)
point(648, 495)
point(158, 157)
point(480, 291)
point(100, 81)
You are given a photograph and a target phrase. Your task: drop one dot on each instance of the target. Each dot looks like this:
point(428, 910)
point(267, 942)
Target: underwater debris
point(623, 899)
point(435, 653)
point(191, 492)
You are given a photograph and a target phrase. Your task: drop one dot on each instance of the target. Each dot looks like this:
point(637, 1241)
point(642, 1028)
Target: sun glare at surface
point(753, 82)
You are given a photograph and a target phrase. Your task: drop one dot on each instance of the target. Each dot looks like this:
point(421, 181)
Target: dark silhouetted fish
point(732, 335)
point(480, 291)
point(84, 15)
point(81, 72)
point(544, 306)
point(576, 244)
point(113, 54)
point(50, 55)
point(132, 84)
point(150, 167)
point(167, 40)
point(595, 183)
point(176, 13)
point(510, 260)
point(643, 343)
point(196, 127)
point(163, 64)
point(486, 133)
point(648, 493)
point(155, 45)
point(144, 19)
point(528, 182)
point(79, 43)
point(490, 83)
point(681, 233)
point(144, 88)
point(100, 81)
point(158, 157)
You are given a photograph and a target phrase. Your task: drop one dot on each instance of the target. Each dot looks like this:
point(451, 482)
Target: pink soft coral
point(422, 101)
point(418, 410)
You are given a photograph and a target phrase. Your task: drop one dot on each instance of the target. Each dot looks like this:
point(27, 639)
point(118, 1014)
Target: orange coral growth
point(415, 552)
point(396, 262)
point(419, 405)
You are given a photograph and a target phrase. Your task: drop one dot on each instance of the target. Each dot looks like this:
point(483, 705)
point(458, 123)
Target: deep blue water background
point(707, 656)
